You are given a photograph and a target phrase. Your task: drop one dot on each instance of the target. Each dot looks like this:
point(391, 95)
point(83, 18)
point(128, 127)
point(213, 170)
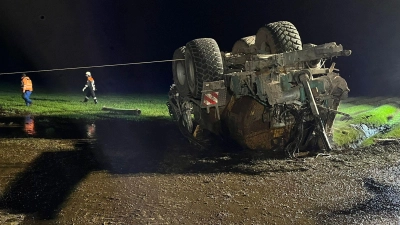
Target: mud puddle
point(45, 127)
point(119, 172)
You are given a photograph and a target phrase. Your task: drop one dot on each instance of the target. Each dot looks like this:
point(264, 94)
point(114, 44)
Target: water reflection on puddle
point(91, 130)
point(29, 125)
point(46, 127)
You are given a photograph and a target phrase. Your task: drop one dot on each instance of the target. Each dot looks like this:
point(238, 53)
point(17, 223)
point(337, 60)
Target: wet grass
point(66, 105)
point(374, 116)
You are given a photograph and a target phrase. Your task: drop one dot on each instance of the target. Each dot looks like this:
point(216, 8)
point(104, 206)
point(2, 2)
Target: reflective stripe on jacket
point(26, 84)
point(90, 83)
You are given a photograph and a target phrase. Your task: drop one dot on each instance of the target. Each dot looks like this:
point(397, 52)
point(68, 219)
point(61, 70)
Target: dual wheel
point(200, 60)
point(273, 38)
point(197, 62)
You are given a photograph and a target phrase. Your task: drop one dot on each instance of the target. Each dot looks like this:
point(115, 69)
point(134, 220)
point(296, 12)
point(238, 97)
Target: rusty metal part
point(252, 125)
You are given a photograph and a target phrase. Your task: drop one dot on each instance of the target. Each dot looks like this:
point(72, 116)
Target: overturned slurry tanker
point(270, 92)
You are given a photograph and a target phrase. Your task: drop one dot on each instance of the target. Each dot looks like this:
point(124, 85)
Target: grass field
point(71, 105)
point(372, 113)
point(382, 117)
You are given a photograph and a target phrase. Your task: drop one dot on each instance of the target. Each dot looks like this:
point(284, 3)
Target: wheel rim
point(190, 74)
point(180, 73)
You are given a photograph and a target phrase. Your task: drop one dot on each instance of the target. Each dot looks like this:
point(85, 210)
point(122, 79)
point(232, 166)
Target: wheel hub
point(180, 72)
point(190, 71)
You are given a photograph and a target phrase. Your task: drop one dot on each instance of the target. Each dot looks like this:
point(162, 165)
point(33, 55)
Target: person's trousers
point(90, 93)
point(26, 96)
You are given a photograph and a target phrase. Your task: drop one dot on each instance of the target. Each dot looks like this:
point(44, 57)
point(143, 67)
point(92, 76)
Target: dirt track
point(131, 175)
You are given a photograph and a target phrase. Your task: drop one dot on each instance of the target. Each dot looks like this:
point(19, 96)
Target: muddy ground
point(118, 172)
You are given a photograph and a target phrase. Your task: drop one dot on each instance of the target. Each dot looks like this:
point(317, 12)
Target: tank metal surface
point(270, 92)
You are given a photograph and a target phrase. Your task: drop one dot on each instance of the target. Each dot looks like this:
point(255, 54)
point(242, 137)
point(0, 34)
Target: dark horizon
point(44, 34)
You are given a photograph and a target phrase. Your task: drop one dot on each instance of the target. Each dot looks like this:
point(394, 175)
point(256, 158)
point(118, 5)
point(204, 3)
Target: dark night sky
point(46, 34)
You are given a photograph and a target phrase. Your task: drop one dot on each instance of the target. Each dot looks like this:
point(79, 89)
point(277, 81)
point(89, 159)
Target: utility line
point(88, 67)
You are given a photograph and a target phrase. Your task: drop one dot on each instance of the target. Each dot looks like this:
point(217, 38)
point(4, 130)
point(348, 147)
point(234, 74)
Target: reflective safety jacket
point(90, 83)
point(26, 84)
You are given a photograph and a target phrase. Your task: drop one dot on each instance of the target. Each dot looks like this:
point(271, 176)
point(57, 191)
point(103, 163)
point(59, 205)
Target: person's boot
point(95, 100)
point(86, 99)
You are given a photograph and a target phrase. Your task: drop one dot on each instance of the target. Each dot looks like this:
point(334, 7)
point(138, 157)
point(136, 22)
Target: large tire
point(203, 63)
point(179, 73)
point(278, 37)
point(244, 45)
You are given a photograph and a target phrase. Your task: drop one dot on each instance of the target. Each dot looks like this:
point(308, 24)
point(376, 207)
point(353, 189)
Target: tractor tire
point(244, 45)
point(179, 73)
point(278, 37)
point(203, 63)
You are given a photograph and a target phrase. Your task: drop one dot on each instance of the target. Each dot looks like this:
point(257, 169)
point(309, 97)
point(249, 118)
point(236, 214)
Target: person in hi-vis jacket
point(90, 88)
point(27, 88)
